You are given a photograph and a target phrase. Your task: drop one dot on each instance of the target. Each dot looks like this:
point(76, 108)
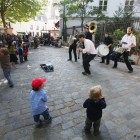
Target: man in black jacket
point(73, 47)
point(108, 42)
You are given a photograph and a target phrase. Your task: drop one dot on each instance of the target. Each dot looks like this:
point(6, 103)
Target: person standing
point(128, 41)
point(38, 99)
point(89, 53)
point(88, 35)
point(6, 66)
point(94, 105)
point(73, 46)
point(107, 41)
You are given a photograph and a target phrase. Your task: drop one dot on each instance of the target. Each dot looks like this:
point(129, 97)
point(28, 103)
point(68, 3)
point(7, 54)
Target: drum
point(120, 48)
point(102, 50)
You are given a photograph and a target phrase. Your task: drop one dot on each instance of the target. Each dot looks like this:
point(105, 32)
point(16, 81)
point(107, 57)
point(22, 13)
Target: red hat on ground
point(37, 82)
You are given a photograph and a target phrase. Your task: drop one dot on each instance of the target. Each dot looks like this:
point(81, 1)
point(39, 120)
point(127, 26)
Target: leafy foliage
point(19, 10)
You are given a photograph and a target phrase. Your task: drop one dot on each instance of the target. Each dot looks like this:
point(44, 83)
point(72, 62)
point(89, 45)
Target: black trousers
point(125, 55)
point(86, 59)
point(74, 52)
point(107, 57)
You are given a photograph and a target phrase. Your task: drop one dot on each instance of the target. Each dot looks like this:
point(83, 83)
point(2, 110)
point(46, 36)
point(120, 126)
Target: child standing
point(5, 65)
point(25, 52)
point(20, 53)
point(94, 104)
point(38, 97)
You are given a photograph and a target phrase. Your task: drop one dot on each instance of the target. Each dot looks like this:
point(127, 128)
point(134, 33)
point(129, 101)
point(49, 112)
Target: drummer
point(107, 41)
point(89, 52)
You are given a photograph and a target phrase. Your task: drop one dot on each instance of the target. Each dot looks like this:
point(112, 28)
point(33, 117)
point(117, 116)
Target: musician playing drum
point(128, 41)
point(107, 41)
point(89, 53)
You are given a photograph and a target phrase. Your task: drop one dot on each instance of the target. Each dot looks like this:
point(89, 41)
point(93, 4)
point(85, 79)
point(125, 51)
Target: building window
point(129, 5)
point(103, 5)
point(31, 27)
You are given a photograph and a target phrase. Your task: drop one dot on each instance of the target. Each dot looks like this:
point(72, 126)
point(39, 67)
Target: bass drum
point(102, 50)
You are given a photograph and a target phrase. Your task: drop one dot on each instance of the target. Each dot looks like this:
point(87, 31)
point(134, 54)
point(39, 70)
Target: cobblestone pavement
point(67, 89)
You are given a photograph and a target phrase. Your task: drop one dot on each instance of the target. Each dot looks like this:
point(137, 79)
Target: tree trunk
point(2, 12)
point(82, 22)
point(3, 19)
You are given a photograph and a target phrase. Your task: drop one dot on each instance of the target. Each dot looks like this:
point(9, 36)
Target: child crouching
point(38, 97)
point(94, 104)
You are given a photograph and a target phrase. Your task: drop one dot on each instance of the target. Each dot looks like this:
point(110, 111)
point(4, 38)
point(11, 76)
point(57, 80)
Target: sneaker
point(11, 86)
point(114, 67)
point(86, 130)
point(130, 71)
point(48, 120)
point(96, 133)
point(75, 60)
point(69, 60)
point(101, 62)
point(38, 125)
point(84, 73)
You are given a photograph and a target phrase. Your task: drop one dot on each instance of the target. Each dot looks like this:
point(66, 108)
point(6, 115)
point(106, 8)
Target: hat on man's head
point(86, 26)
point(37, 82)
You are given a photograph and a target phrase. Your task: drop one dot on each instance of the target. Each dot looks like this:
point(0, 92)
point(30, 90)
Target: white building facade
point(108, 7)
point(42, 23)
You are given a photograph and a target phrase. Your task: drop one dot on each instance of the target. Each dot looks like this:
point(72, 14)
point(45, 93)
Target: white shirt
point(89, 47)
point(129, 39)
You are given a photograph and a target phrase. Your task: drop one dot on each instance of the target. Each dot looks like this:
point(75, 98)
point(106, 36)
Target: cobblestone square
point(67, 89)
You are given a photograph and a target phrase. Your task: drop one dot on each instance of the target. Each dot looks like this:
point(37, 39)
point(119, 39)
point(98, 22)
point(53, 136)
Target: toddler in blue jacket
point(38, 97)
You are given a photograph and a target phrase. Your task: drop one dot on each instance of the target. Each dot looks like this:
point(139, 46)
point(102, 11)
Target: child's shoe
point(96, 133)
point(86, 130)
point(38, 125)
point(48, 120)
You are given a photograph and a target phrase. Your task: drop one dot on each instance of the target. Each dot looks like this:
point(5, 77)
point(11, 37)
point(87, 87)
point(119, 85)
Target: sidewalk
point(67, 89)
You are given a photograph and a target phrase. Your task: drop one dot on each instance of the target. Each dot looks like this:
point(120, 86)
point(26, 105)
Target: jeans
point(96, 124)
point(45, 114)
point(8, 76)
point(21, 58)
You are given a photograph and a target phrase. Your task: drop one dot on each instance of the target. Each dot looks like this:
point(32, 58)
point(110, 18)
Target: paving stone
point(77, 138)
point(65, 110)
point(129, 116)
point(67, 134)
point(16, 113)
point(76, 107)
point(57, 121)
point(67, 125)
point(110, 124)
point(26, 110)
point(60, 106)
point(67, 117)
point(76, 114)
point(69, 104)
point(58, 102)
point(2, 123)
point(55, 113)
point(67, 99)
